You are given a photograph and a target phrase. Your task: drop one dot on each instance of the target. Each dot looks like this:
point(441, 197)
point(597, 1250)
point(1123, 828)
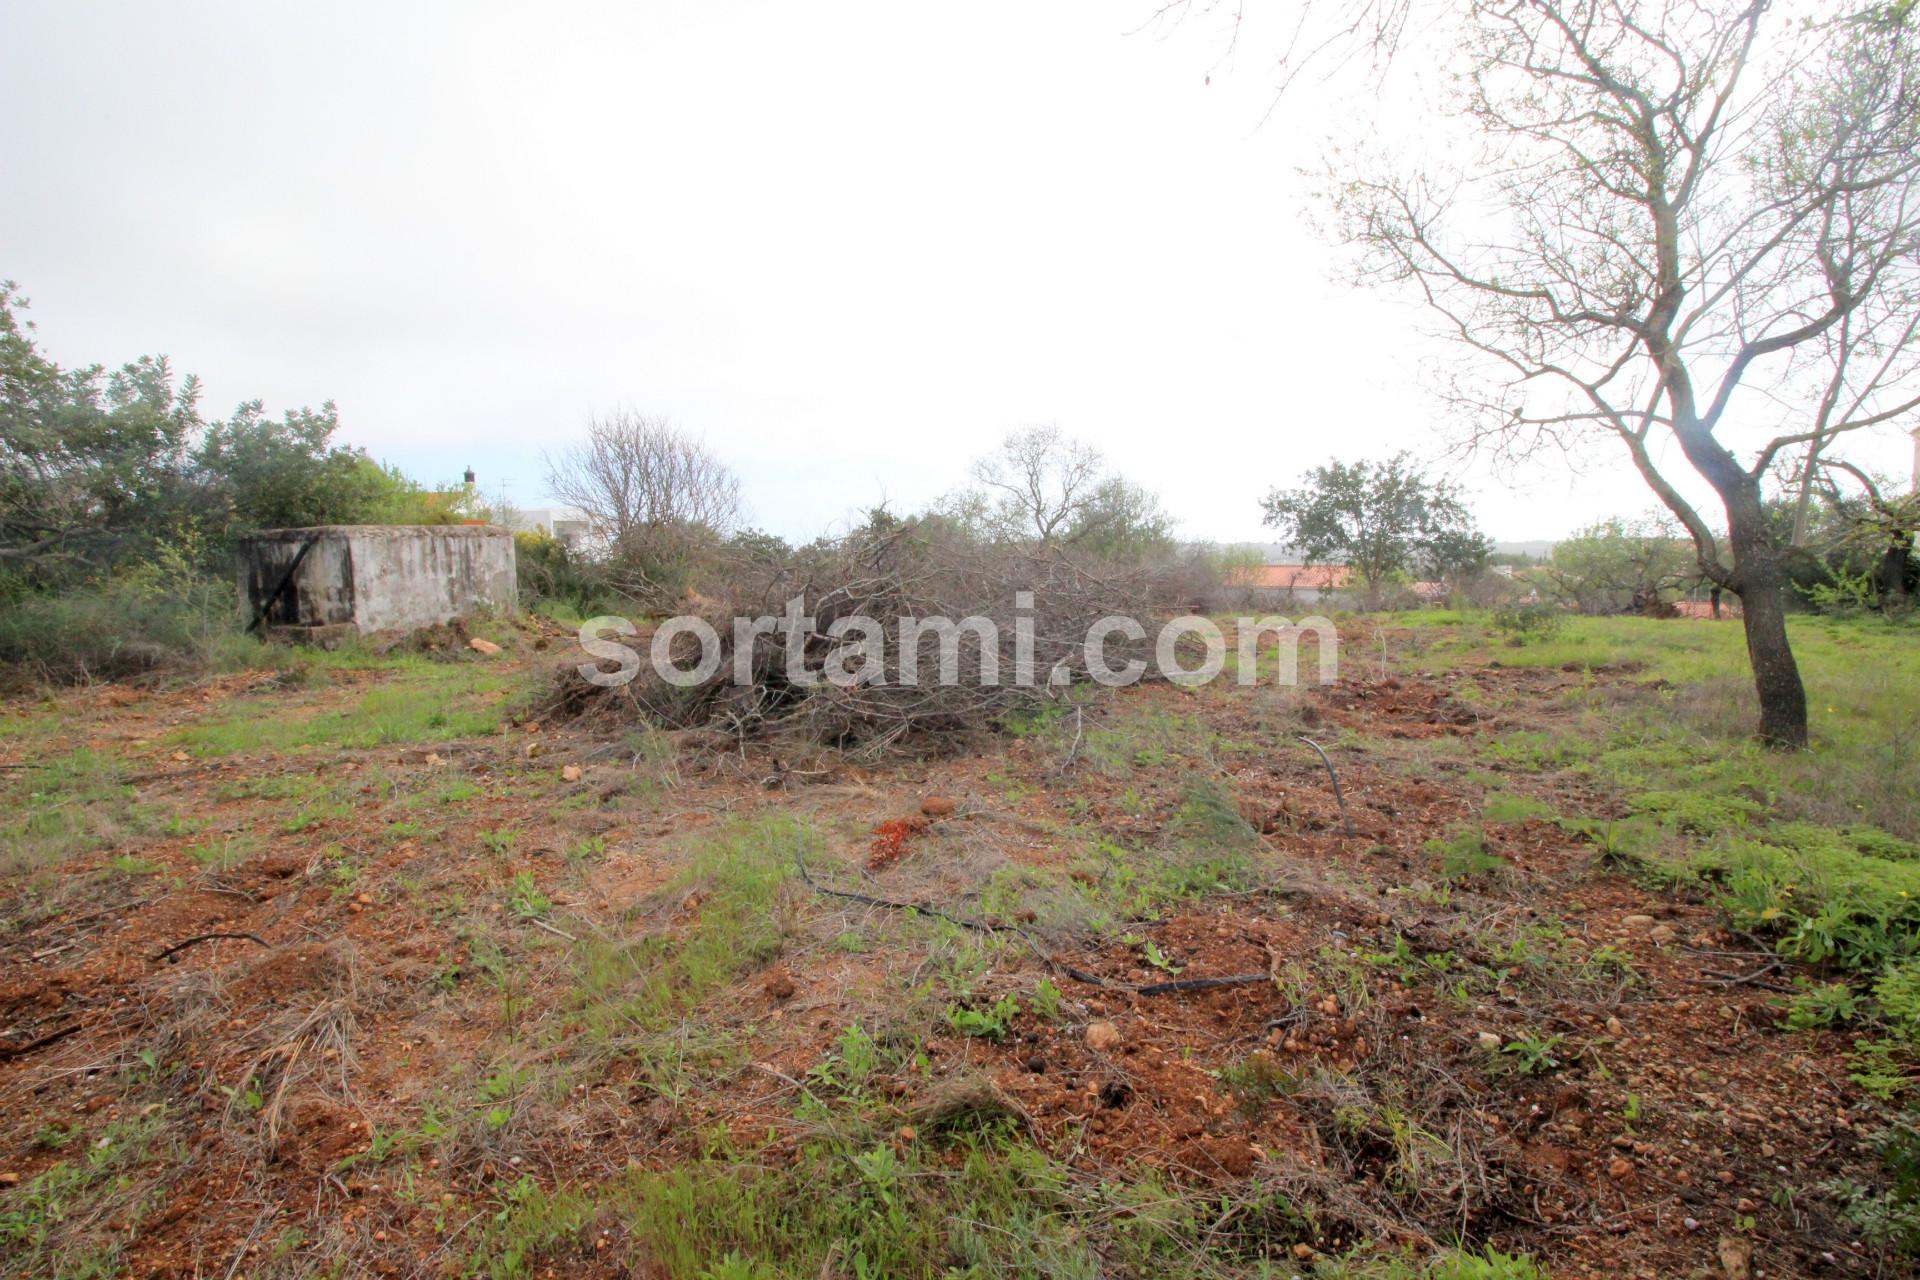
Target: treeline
point(667, 525)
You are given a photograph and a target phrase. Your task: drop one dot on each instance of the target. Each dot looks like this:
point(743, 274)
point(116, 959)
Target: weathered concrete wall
point(405, 579)
point(321, 590)
point(378, 577)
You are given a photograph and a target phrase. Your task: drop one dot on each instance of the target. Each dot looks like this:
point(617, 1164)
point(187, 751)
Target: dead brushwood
point(899, 691)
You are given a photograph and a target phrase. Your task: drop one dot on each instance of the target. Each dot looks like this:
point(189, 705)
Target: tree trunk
point(1759, 577)
point(1776, 676)
point(1893, 574)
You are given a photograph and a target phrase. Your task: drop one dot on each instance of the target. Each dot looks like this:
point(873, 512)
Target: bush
point(556, 580)
point(151, 620)
point(1525, 622)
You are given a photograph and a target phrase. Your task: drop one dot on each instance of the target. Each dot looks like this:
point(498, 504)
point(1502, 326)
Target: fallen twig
point(199, 938)
point(20, 1051)
point(1745, 979)
point(1346, 818)
point(555, 930)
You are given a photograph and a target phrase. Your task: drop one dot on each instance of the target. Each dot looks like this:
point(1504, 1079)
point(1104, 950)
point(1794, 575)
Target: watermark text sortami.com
point(1189, 650)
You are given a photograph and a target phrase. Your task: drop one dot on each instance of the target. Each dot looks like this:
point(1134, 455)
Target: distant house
point(1304, 583)
point(568, 525)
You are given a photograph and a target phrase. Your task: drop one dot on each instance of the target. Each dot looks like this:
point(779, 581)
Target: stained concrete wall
point(378, 577)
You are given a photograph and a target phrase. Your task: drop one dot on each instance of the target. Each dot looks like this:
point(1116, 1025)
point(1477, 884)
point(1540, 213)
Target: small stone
point(1036, 1064)
point(1488, 1040)
point(1663, 934)
point(9, 1179)
point(1619, 1167)
point(937, 807)
point(1691, 1224)
point(571, 773)
point(1103, 1037)
point(1745, 1205)
point(1636, 922)
point(487, 647)
point(1736, 1257)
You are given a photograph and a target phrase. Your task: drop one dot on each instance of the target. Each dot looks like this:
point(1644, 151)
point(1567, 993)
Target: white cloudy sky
point(849, 244)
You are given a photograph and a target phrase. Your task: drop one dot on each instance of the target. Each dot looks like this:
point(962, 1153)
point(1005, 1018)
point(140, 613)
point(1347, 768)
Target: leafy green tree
point(90, 462)
point(258, 473)
point(1123, 523)
point(1381, 518)
point(97, 468)
point(1620, 566)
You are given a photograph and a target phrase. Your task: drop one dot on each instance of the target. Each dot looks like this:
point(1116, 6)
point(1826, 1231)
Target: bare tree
point(1044, 482)
point(654, 495)
point(1657, 233)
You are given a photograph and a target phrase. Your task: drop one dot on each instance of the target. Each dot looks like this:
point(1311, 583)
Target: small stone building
point(371, 577)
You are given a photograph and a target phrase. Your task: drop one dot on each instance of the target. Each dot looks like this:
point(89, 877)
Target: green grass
point(420, 702)
point(1506, 807)
point(739, 922)
point(75, 1219)
point(1860, 675)
point(68, 805)
point(1815, 852)
point(226, 852)
point(972, 1201)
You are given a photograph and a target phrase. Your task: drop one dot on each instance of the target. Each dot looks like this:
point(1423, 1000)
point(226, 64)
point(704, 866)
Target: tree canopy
point(1382, 518)
point(98, 467)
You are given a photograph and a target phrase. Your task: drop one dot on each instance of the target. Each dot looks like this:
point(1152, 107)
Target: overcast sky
point(848, 245)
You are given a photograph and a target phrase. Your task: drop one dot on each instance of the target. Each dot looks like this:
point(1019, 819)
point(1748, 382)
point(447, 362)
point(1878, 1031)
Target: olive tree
point(1381, 518)
point(1685, 223)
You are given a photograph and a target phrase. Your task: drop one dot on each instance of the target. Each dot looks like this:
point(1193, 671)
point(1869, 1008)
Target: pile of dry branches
point(890, 691)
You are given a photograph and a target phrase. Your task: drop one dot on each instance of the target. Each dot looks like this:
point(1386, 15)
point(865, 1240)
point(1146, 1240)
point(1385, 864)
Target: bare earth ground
point(485, 970)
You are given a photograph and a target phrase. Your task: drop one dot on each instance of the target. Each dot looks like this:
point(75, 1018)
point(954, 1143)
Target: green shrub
point(152, 619)
point(1821, 900)
point(1529, 622)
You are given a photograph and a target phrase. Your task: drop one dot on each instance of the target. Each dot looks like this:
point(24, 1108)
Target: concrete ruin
point(366, 578)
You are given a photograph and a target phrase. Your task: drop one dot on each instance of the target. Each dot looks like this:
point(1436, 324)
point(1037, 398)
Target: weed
point(735, 878)
point(1826, 1005)
point(59, 1223)
point(1464, 856)
point(1506, 807)
point(524, 898)
point(1889, 1217)
point(1258, 1079)
point(1535, 1055)
point(989, 1023)
point(499, 841)
point(69, 805)
point(1526, 623)
point(1155, 957)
